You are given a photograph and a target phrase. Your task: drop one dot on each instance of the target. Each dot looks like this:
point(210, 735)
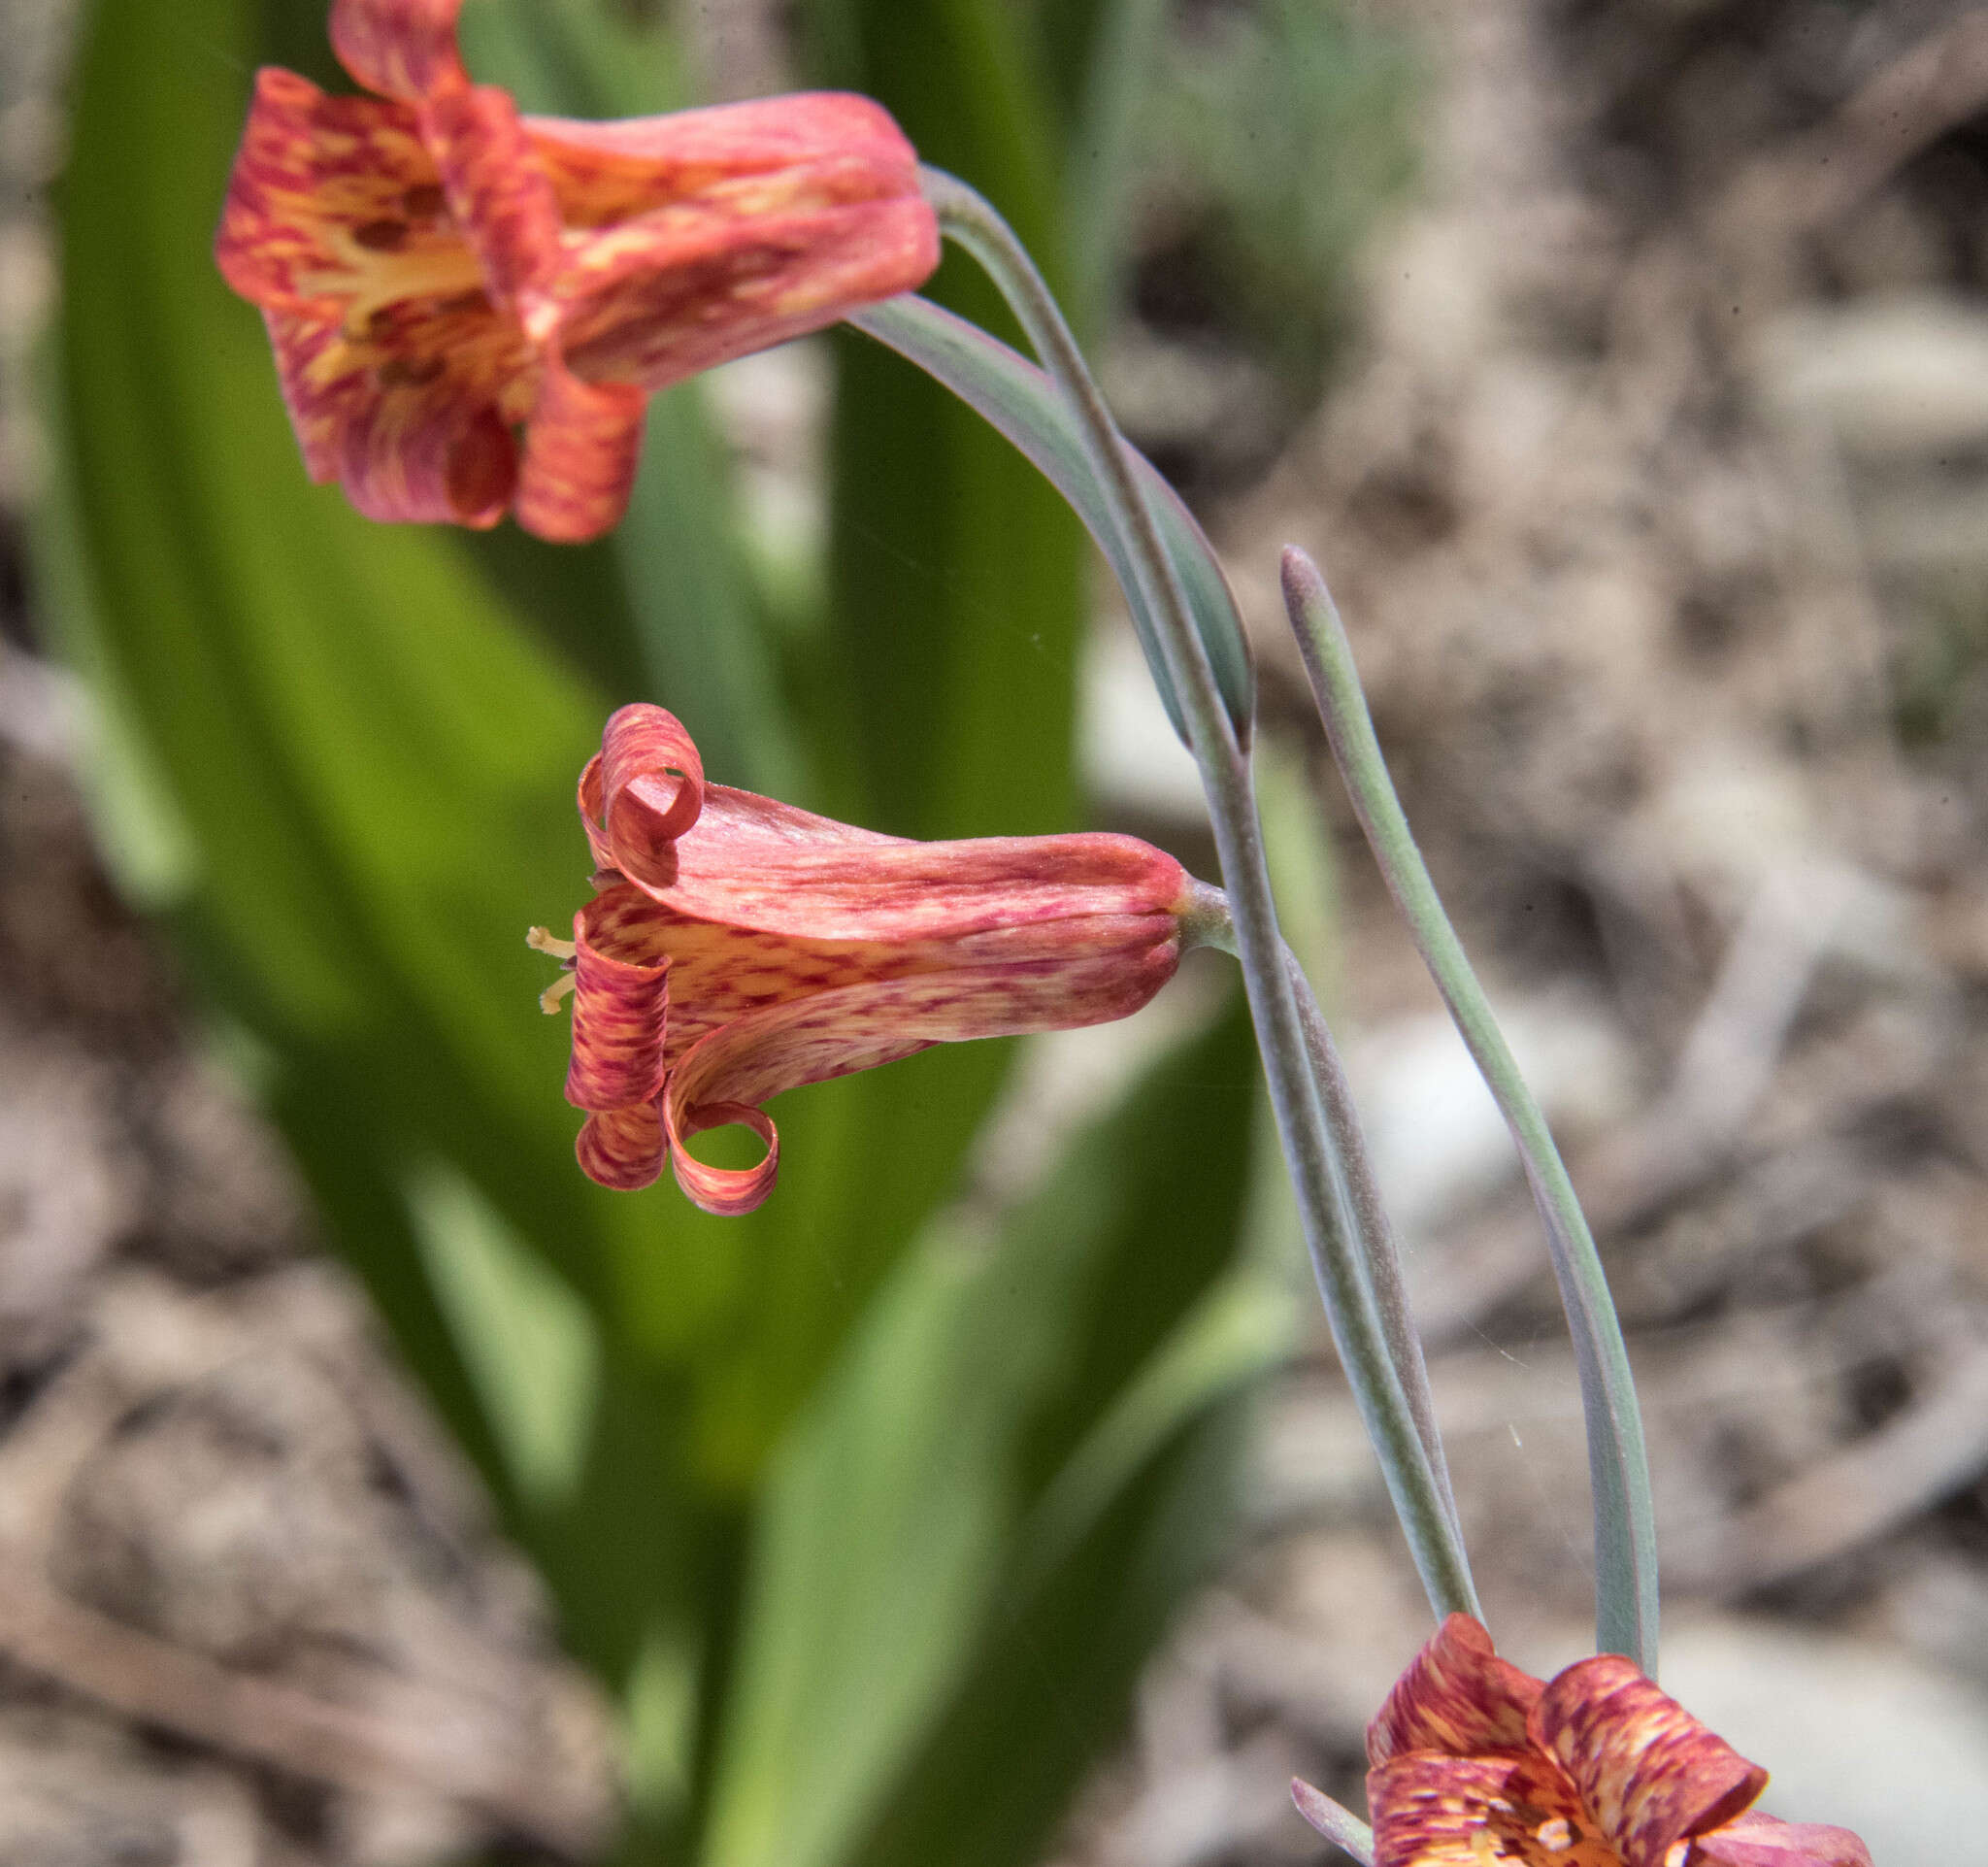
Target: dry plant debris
point(1657, 502)
point(252, 1613)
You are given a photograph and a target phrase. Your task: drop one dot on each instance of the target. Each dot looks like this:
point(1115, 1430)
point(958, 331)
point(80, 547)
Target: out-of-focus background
point(373, 1493)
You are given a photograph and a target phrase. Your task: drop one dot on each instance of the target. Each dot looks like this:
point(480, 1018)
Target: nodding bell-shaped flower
point(737, 947)
point(470, 307)
point(1473, 1760)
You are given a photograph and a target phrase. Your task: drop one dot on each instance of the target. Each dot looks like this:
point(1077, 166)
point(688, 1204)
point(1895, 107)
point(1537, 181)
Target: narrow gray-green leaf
point(1020, 400)
point(1618, 1465)
point(998, 1421)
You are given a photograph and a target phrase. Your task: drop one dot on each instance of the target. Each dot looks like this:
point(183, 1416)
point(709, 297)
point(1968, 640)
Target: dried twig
point(1914, 1460)
point(155, 1682)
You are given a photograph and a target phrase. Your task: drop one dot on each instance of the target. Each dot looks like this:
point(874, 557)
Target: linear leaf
point(1010, 1409)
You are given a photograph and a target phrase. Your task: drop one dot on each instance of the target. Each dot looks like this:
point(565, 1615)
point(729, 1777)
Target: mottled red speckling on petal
point(1476, 1762)
point(579, 458)
point(471, 307)
point(1458, 1697)
point(1650, 1772)
point(623, 1148)
point(619, 1026)
point(403, 380)
point(737, 948)
point(1435, 1811)
point(399, 48)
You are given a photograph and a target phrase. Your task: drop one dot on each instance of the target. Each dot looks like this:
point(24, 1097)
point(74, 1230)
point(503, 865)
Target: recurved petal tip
point(1457, 1697)
point(620, 1019)
point(399, 48)
point(1649, 1773)
point(651, 784)
point(725, 1192)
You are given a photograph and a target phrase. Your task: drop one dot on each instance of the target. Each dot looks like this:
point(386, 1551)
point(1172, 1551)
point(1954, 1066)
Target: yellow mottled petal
point(1430, 1810)
point(1457, 1696)
point(1648, 1772)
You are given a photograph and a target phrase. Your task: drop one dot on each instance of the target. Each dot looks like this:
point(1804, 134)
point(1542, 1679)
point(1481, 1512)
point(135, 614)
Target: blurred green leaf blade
point(1008, 1422)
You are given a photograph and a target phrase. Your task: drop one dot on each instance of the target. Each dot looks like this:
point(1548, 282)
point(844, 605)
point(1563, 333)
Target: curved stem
point(1618, 1464)
point(1378, 1249)
point(1325, 1204)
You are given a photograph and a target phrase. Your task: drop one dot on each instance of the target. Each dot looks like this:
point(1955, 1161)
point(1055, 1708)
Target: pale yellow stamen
point(540, 940)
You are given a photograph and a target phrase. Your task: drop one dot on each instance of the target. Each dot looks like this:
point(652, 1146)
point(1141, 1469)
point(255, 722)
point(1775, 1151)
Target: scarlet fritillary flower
point(439, 271)
point(1475, 1761)
point(737, 947)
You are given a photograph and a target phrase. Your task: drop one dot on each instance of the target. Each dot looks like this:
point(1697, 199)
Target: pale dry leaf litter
point(1657, 501)
point(252, 1607)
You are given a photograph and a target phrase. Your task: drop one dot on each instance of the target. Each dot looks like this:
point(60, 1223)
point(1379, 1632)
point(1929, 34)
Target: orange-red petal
point(721, 231)
point(680, 290)
point(337, 201)
point(623, 1148)
point(643, 792)
point(581, 453)
point(396, 417)
point(399, 48)
point(1457, 1697)
point(725, 1192)
point(755, 864)
point(620, 1015)
point(817, 148)
point(498, 195)
point(537, 272)
point(737, 948)
point(1431, 1810)
point(815, 1035)
point(1647, 1770)
point(401, 377)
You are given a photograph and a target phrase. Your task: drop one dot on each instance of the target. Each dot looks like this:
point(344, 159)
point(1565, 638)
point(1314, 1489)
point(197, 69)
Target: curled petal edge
point(642, 792)
point(623, 1148)
point(1649, 1773)
point(1457, 1697)
point(399, 48)
point(727, 1192)
point(620, 1022)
